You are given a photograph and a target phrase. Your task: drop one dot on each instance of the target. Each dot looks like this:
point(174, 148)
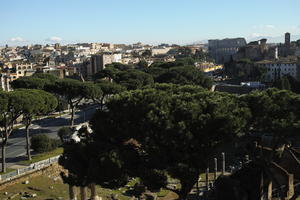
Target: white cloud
point(254, 35)
point(270, 26)
point(54, 39)
point(17, 39)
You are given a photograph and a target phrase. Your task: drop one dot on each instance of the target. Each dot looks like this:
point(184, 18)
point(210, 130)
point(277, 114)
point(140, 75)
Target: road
point(16, 148)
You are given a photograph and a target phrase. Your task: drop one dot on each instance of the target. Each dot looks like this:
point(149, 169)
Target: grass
point(210, 177)
point(42, 156)
point(7, 171)
point(19, 126)
point(43, 186)
point(163, 193)
point(47, 187)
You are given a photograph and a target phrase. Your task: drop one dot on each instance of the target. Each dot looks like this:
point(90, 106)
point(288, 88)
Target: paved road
point(16, 149)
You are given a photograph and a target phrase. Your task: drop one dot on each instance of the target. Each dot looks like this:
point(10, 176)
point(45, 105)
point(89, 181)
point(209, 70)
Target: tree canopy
point(168, 129)
point(273, 111)
point(186, 75)
point(133, 79)
point(38, 81)
point(73, 91)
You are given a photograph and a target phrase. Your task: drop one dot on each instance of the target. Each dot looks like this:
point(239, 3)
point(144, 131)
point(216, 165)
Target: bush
point(42, 143)
point(61, 106)
point(64, 133)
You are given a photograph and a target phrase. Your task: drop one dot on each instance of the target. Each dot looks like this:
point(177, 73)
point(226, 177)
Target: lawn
point(7, 171)
point(42, 156)
point(52, 188)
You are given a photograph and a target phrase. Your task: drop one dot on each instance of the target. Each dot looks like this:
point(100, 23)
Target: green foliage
point(45, 76)
point(245, 70)
point(73, 91)
point(274, 111)
point(142, 64)
point(147, 53)
point(39, 81)
point(38, 102)
point(168, 128)
point(109, 72)
point(133, 79)
point(42, 143)
point(182, 72)
point(283, 83)
point(187, 75)
point(182, 52)
point(62, 105)
point(68, 88)
point(294, 83)
point(29, 83)
point(108, 89)
point(64, 133)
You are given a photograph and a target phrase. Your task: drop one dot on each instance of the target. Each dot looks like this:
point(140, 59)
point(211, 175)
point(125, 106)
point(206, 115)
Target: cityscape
point(150, 100)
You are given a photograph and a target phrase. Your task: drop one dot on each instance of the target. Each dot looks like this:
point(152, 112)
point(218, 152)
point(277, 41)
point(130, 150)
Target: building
point(222, 50)
point(57, 46)
point(279, 68)
point(160, 51)
point(99, 61)
point(24, 69)
point(287, 37)
point(5, 82)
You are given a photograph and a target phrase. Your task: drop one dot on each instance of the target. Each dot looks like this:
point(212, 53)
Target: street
point(16, 148)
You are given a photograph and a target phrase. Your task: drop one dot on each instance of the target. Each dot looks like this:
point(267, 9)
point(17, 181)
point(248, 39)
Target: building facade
point(99, 61)
point(277, 69)
point(223, 50)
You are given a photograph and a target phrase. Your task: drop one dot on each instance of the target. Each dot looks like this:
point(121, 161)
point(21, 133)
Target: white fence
point(29, 169)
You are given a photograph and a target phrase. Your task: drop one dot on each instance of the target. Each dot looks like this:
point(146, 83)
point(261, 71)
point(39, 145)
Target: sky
point(146, 21)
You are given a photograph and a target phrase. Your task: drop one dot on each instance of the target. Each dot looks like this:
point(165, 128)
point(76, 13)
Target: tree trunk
point(93, 192)
point(3, 146)
point(72, 115)
point(83, 195)
point(4, 143)
point(186, 187)
point(28, 122)
point(72, 192)
point(102, 103)
point(197, 187)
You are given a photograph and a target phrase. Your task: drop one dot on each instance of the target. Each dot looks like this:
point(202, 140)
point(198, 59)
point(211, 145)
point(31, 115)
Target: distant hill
point(277, 39)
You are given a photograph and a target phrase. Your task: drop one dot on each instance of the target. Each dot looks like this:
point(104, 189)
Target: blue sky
point(148, 21)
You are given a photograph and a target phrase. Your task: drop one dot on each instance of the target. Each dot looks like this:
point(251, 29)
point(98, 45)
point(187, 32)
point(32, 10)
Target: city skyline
point(153, 22)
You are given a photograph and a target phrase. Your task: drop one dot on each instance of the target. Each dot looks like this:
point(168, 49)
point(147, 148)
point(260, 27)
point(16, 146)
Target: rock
point(34, 195)
point(5, 193)
point(13, 196)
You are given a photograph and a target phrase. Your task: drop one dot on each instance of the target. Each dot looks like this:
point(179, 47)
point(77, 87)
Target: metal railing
point(29, 169)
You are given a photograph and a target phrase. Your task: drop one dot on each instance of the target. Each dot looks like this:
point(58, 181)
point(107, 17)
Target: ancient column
point(216, 168)
point(207, 179)
point(223, 163)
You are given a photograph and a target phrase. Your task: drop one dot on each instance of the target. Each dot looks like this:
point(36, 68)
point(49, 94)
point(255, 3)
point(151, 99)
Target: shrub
point(42, 143)
point(64, 133)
